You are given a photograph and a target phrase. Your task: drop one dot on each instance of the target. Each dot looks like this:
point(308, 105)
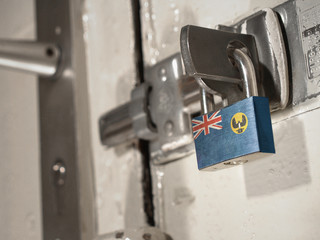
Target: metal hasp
point(33, 57)
point(204, 53)
point(159, 111)
point(300, 21)
point(161, 107)
point(66, 171)
point(171, 102)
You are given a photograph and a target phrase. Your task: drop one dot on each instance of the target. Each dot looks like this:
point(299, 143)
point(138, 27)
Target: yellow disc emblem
point(239, 123)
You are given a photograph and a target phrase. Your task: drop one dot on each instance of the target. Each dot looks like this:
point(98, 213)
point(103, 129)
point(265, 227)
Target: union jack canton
point(207, 122)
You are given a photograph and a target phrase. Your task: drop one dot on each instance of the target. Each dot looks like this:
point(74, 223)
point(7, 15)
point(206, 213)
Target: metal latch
point(161, 107)
point(159, 111)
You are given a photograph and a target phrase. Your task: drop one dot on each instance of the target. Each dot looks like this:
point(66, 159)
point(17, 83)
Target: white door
point(272, 198)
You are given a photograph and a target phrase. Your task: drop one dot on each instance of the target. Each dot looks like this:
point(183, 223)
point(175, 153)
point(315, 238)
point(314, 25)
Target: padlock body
point(233, 135)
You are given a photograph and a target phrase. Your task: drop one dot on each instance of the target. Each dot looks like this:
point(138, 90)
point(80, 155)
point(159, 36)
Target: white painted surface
point(162, 21)
point(273, 198)
point(111, 76)
point(20, 201)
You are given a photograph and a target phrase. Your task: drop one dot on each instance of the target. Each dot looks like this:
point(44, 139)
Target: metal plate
point(62, 123)
point(174, 139)
point(205, 53)
point(300, 21)
point(310, 33)
point(264, 26)
point(205, 57)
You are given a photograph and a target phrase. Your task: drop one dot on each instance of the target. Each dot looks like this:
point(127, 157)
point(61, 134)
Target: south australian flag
point(233, 135)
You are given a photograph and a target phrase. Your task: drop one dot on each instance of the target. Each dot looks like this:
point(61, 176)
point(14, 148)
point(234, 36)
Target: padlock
point(237, 133)
point(233, 135)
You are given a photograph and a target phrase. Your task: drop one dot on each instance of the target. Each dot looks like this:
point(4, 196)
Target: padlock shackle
point(206, 101)
point(241, 60)
point(246, 68)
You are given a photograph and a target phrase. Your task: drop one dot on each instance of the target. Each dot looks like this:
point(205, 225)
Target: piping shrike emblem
point(239, 123)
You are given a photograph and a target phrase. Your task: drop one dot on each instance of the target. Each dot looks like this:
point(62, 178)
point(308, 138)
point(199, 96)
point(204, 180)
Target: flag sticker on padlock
point(233, 135)
point(205, 123)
